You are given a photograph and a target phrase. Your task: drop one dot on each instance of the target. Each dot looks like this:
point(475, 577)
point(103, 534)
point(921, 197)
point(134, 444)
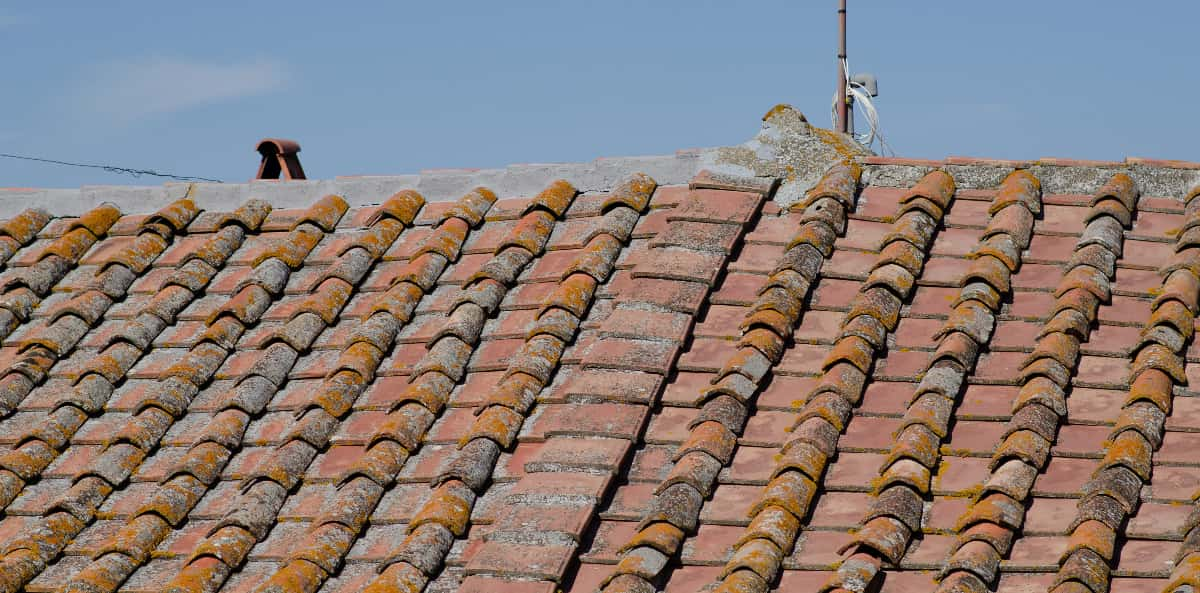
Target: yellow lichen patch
point(205, 460)
point(405, 426)
point(634, 192)
point(327, 300)
point(70, 246)
point(1152, 385)
point(138, 537)
point(138, 256)
point(24, 227)
point(1095, 536)
point(790, 490)
point(937, 186)
point(324, 214)
point(765, 340)
point(846, 149)
point(449, 506)
point(326, 545)
point(555, 198)
point(1120, 186)
point(779, 109)
point(402, 206)
point(399, 301)
point(97, 220)
point(381, 461)
point(446, 241)
point(573, 294)
point(597, 257)
point(250, 299)
point(661, 536)
point(297, 576)
point(498, 423)
point(177, 214)
point(530, 233)
point(250, 215)
point(516, 392)
point(713, 438)
point(197, 576)
point(1132, 450)
point(378, 239)
point(400, 577)
point(470, 208)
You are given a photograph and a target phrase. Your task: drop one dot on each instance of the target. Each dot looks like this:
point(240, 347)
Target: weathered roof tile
point(661, 384)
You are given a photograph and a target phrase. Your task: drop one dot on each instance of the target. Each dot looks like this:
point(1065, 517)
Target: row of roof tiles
point(535, 539)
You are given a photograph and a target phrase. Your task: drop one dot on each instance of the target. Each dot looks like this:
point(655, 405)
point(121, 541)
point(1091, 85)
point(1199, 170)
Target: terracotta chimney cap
point(279, 160)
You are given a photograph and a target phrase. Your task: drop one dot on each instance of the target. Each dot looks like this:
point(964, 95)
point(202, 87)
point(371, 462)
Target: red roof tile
point(920, 387)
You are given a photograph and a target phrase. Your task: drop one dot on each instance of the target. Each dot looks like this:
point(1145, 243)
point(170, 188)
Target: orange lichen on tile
point(765, 331)
point(399, 434)
point(1046, 379)
point(1112, 494)
point(874, 312)
point(446, 514)
point(21, 230)
point(140, 434)
point(905, 477)
point(97, 381)
point(45, 345)
point(205, 401)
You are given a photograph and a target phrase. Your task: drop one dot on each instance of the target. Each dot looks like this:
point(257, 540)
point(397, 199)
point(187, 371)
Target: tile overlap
point(959, 375)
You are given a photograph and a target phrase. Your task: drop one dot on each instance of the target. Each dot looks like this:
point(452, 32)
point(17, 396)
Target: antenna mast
point(843, 112)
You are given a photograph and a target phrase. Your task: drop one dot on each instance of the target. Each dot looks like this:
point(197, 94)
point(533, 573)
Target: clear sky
point(396, 87)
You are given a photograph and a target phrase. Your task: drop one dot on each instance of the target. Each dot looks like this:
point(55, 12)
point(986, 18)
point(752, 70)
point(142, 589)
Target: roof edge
point(435, 185)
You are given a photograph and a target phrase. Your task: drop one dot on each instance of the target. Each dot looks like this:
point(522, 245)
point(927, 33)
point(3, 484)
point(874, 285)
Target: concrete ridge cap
point(522, 179)
point(1131, 161)
point(1057, 177)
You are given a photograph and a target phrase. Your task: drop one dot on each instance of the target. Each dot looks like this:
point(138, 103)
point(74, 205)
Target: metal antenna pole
point(842, 105)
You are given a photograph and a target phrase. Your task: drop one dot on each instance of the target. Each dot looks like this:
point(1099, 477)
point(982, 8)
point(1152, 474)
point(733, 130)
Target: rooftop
point(783, 365)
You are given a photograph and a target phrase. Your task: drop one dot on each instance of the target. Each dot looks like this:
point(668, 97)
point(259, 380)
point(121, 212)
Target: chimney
point(279, 159)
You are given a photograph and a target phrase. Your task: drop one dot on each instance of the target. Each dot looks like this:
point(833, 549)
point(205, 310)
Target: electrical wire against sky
point(112, 168)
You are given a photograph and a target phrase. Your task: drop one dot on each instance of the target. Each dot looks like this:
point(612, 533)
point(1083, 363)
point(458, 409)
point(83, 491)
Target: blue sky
point(393, 88)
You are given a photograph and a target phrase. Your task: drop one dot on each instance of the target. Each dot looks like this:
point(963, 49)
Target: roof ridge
point(442, 185)
point(1058, 176)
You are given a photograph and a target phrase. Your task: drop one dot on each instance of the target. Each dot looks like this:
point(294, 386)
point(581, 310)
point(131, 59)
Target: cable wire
point(859, 95)
point(112, 168)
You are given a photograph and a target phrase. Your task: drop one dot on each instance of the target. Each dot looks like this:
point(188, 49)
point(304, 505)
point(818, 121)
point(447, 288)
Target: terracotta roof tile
point(629, 388)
